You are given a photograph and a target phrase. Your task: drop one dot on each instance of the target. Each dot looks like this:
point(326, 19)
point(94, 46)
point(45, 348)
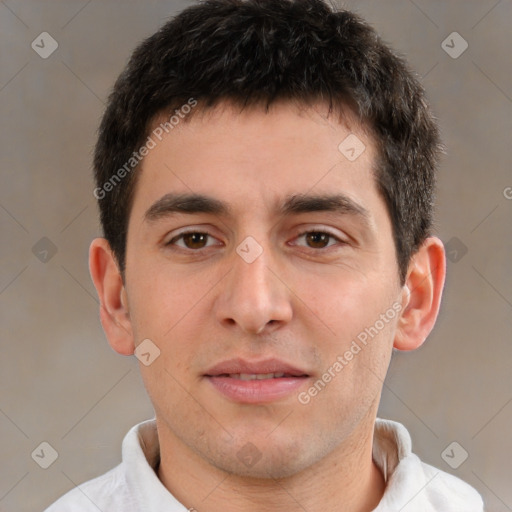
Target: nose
point(253, 296)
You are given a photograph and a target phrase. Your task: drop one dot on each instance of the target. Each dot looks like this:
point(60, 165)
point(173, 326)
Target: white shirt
point(133, 486)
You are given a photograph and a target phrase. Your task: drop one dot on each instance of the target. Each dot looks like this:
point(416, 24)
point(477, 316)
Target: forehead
point(255, 157)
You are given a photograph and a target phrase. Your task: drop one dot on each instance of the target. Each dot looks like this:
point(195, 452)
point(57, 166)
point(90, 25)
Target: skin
point(298, 301)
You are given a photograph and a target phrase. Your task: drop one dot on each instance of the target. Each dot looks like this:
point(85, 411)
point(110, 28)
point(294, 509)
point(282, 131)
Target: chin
point(263, 469)
point(269, 462)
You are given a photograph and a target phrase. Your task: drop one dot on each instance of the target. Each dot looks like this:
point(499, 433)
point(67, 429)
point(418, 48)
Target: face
point(258, 257)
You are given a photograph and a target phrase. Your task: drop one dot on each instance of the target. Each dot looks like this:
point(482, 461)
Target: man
point(265, 173)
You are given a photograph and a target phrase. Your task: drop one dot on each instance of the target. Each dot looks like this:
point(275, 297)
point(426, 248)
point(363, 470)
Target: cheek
point(358, 322)
point(345, 303)
point(351, 382)
point(174, 316)
point(165, 301)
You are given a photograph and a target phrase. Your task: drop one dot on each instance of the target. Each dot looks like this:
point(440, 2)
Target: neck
point(345, 480)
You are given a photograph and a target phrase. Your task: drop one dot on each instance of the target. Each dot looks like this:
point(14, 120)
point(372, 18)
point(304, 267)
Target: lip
point(239, 365)
point(256, 391)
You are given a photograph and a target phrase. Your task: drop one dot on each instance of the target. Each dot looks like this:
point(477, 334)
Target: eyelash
point(301, 234)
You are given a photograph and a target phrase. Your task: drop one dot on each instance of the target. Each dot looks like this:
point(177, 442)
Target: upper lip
point(237, 365)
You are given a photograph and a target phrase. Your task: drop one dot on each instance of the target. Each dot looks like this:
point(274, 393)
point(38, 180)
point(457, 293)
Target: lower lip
point(256, 391)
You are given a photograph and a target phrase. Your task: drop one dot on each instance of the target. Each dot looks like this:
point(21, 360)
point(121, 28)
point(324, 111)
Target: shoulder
point(128, 485)
point(412, 485)
point(415, 486)
point(447, 492)
point(106, 492)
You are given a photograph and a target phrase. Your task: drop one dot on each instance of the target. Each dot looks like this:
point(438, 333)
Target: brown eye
point(317, 240)
point(193, 240)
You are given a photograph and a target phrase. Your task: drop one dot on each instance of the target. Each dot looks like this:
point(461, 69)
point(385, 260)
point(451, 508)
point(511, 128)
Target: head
point(229, 123)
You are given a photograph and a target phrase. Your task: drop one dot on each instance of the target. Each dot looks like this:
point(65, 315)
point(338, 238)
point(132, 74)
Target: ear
point(114, 312)
point(421, 295)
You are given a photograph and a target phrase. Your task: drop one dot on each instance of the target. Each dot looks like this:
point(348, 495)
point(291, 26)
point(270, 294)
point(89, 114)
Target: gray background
point(59, 380)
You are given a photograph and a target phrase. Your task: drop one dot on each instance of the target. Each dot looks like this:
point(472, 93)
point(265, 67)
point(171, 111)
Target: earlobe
point(421, 295)
point(114, 312)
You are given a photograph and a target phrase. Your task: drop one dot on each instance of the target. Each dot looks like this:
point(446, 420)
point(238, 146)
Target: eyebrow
point(293, 205)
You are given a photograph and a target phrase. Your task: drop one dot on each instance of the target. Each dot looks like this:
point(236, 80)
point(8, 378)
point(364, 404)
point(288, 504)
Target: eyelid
point(327, 231)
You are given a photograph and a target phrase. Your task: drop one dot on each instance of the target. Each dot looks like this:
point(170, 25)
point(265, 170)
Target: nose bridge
point(255, 277)
point(253, 296)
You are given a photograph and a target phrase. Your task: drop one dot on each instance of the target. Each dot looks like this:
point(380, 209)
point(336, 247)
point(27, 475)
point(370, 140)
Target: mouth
point(258, 376)
point(256, 382)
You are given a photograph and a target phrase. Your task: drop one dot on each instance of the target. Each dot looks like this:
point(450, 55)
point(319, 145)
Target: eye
point(318, 239)
point(193, 240)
